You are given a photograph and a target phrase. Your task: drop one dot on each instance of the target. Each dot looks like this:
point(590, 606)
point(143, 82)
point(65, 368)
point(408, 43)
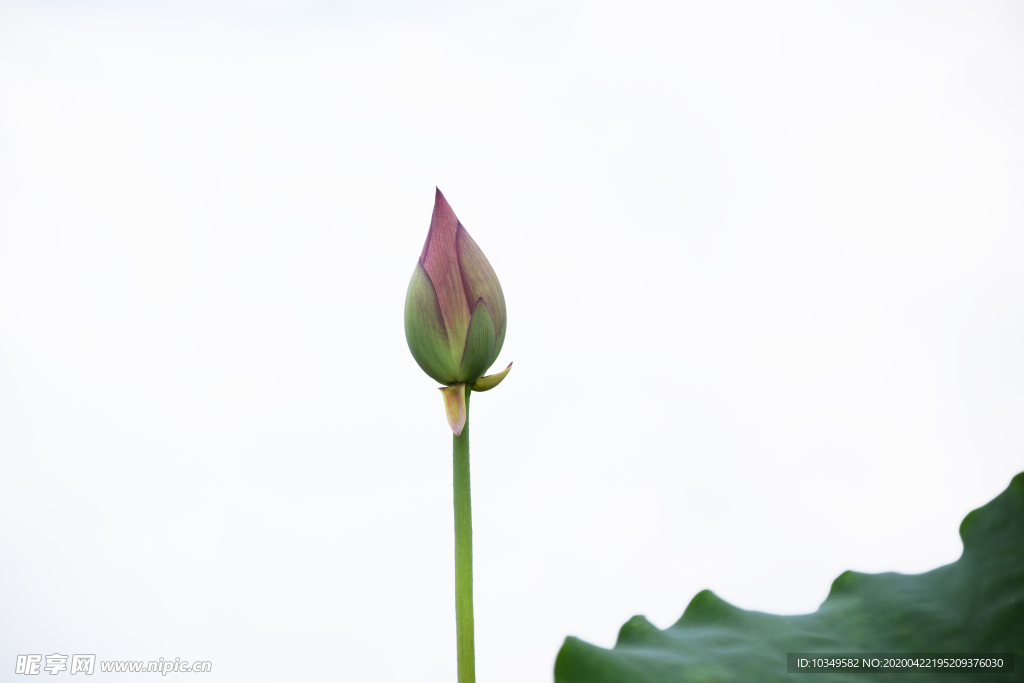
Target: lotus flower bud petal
point(441, 262)
point(455, 407)
point(455, 315)
point(482, 284)
point(490, 381)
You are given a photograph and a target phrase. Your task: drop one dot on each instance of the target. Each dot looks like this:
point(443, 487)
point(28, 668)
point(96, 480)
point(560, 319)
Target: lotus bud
point(454, 308)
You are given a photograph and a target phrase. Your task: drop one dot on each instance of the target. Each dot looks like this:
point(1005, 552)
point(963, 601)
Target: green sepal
point(455, 407)
point(425, 330)
point(479, 351)
point(490, 381)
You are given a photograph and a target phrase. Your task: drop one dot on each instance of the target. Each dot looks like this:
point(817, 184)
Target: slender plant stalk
point(463, 554)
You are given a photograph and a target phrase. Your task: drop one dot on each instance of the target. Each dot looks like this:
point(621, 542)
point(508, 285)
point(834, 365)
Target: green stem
point(463, 554)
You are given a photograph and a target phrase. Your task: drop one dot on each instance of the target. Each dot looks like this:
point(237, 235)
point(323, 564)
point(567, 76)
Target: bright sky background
point(766, 305)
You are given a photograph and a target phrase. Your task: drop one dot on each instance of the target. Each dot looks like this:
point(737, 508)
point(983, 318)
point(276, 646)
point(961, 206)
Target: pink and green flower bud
point(454, 308)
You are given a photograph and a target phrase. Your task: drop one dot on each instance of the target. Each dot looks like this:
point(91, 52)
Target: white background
point(765, 294)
